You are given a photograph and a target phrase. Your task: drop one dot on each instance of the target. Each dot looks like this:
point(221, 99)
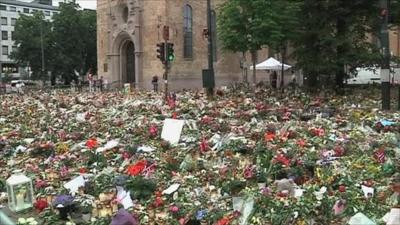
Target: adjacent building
point(129, 30)
point(10, 10)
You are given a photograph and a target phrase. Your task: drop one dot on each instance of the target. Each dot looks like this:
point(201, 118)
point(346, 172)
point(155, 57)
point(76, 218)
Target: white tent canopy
point(271, 64)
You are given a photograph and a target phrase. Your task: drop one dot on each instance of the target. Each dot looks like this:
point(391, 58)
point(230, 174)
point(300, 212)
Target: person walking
point(154, 81)
point(90, 79)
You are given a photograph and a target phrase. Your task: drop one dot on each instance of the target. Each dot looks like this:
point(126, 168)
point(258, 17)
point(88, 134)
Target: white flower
point(30, 220)
point(33, 223)
point(320, 194)
point(21, 221)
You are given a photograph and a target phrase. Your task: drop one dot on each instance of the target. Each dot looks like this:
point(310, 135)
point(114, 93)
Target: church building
point(128, 34)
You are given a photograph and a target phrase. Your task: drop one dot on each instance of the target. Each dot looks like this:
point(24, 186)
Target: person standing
point(90, 79)
point(101, 84)
point(154, 81)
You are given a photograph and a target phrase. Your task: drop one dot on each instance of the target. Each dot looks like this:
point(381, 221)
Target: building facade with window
point(10, 11)
point(129, 30)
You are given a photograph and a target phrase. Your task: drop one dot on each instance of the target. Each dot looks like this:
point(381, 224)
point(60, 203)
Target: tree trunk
point(283, 53)
point(244, 67)
point(340, 51)
point(254, 59)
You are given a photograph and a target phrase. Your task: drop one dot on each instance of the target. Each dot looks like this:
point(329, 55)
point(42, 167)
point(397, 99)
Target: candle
point(114, 207)
point(94, 212)
point(102, 197)
point(109, 210)
point(20, 200)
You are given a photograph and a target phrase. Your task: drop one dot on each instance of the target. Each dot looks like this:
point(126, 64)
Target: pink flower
point(249, 171)
point(204, 145)
point(153, 130)
point(173, 208)
point(40, 184)
point(64, 171)
point(126, 155)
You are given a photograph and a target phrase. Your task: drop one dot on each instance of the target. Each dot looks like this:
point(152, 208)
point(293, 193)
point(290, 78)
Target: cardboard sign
point(172, 130)
point(75, 184)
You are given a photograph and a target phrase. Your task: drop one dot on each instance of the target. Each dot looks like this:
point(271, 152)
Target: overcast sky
point(86, 4)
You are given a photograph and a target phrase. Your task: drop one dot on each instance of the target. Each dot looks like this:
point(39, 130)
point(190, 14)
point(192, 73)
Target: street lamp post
point(210, 89)
point(41, 46)
point(385, 68)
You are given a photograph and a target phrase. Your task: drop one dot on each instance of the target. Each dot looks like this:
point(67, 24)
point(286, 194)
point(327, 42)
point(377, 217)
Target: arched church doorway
point(128, 62)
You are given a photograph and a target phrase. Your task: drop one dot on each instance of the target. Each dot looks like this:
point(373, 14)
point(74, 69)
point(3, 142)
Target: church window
point(125, 13)
point(188, 32)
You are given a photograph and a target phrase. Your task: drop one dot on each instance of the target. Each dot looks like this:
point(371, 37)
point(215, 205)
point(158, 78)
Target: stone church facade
point(129, 30)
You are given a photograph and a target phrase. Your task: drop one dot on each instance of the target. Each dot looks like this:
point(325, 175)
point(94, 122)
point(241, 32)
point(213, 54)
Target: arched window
point(214, 34)
point(187, 32)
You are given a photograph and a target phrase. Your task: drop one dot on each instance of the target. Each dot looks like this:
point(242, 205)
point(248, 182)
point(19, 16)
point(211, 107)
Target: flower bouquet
point(64, 204)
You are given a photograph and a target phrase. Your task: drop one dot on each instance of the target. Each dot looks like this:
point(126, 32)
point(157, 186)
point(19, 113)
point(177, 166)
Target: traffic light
point(161, 52)
point(170, 52)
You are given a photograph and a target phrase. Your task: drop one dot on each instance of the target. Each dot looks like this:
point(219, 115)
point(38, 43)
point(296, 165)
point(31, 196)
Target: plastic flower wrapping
point(243, 157)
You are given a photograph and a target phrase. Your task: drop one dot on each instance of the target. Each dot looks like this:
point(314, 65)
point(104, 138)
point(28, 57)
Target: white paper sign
point(360, 219)
point(145, 149)
point(110, 145)
point(244, 206)
point(124, 197)
point(393, 217)
point(172, 130)
point(75, 184)
point(368, 191)
point(171, 189)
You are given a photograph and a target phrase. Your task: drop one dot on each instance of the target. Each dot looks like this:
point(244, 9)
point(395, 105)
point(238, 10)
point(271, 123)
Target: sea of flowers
point(244, 157)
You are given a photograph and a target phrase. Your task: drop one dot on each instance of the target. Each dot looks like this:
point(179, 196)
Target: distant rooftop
point(34, 4)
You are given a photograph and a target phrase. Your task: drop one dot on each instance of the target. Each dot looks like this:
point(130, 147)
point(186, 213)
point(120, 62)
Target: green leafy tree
point(29, 35)
point(334, 35)
point(74, 35)
point(247, 26)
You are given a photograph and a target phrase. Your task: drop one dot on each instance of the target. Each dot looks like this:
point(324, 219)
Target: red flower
point(82, 170)
point(282, 159)
point(138, 168)
point(301, 143)
point(41, 204)
point(269, 136)
point(158, 202)
point(318, 132)
point(342, 188)
point(223, 221)
point(206, 120)
point(91, 143)
point(339, 151)
point(174, 115)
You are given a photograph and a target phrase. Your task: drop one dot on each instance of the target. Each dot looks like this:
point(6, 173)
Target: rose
point(41, 204)
point(174, 209)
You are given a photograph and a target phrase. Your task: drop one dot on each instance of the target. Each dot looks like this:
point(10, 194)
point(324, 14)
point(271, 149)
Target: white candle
point(20, 199)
